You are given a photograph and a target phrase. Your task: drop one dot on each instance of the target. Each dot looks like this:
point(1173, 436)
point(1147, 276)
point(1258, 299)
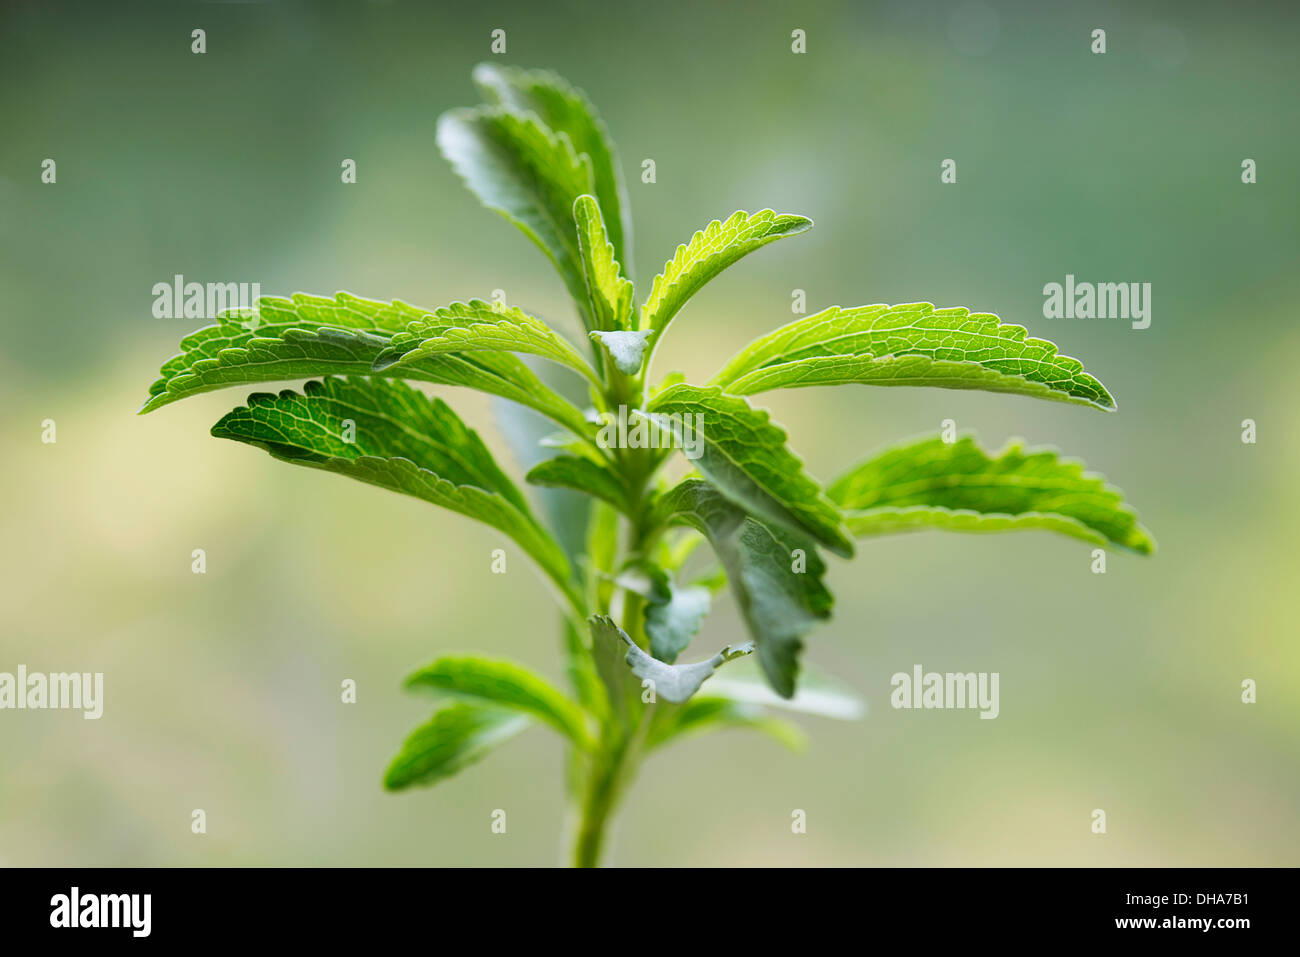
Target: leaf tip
point(394, 779)
point(1142, 541)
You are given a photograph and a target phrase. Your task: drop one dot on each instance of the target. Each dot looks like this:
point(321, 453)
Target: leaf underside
point(673, 683)
point(528, 173)
point(671, 623)
point(778, 603)
point(565, 109)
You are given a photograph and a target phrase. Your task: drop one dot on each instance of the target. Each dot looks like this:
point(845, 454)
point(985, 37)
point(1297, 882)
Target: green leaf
point(528, 174)
point(780, 594)
point(959, 486)
point(625, 348)
point(309, 336)
point(705, 712)
point(710, 251)
point(743, 453)
point(280, 339)
point(506, 685)
point(404, 442)
point(913, 344)
point(672, 623)
point(608, 291)
point(675, 683)
point(567, 110)
point(452, 739)
point(478, 326)
point(582, 475)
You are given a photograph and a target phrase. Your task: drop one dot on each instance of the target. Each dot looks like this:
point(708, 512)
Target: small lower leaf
point(505, 685)
point(452, 739)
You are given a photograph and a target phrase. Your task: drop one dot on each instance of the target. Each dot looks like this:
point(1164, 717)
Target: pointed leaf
point(780, 594)
point(478, 326)
point(743, 453)
point(529, 174)
point(913, 344)
point(608, 291)
point(567, 110)
point(404, 442)
point(582, 475)
point(675, 683)
point(309, 336)
point(710, 251)
point(452, 739)
point(959, 486)
point(505, 684)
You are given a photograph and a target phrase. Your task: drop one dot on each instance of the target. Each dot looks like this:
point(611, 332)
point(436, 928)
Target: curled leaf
point(675, 683)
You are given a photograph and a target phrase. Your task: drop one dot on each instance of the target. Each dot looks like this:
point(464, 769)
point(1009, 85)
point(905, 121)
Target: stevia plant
point(623, 565)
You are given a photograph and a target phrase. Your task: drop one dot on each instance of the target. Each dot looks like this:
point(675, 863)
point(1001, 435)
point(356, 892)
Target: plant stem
point(618, 753)
point(597, 805)
point(611, 771)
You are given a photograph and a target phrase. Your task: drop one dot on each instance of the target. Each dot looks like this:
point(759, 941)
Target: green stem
point(597, 806)
point(611, 771)
point(623, 731)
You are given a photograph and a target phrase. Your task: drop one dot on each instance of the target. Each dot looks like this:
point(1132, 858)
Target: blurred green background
point(1118, 691)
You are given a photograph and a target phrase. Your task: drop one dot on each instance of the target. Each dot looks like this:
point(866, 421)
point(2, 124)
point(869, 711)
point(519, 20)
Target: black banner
point(329, 906)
